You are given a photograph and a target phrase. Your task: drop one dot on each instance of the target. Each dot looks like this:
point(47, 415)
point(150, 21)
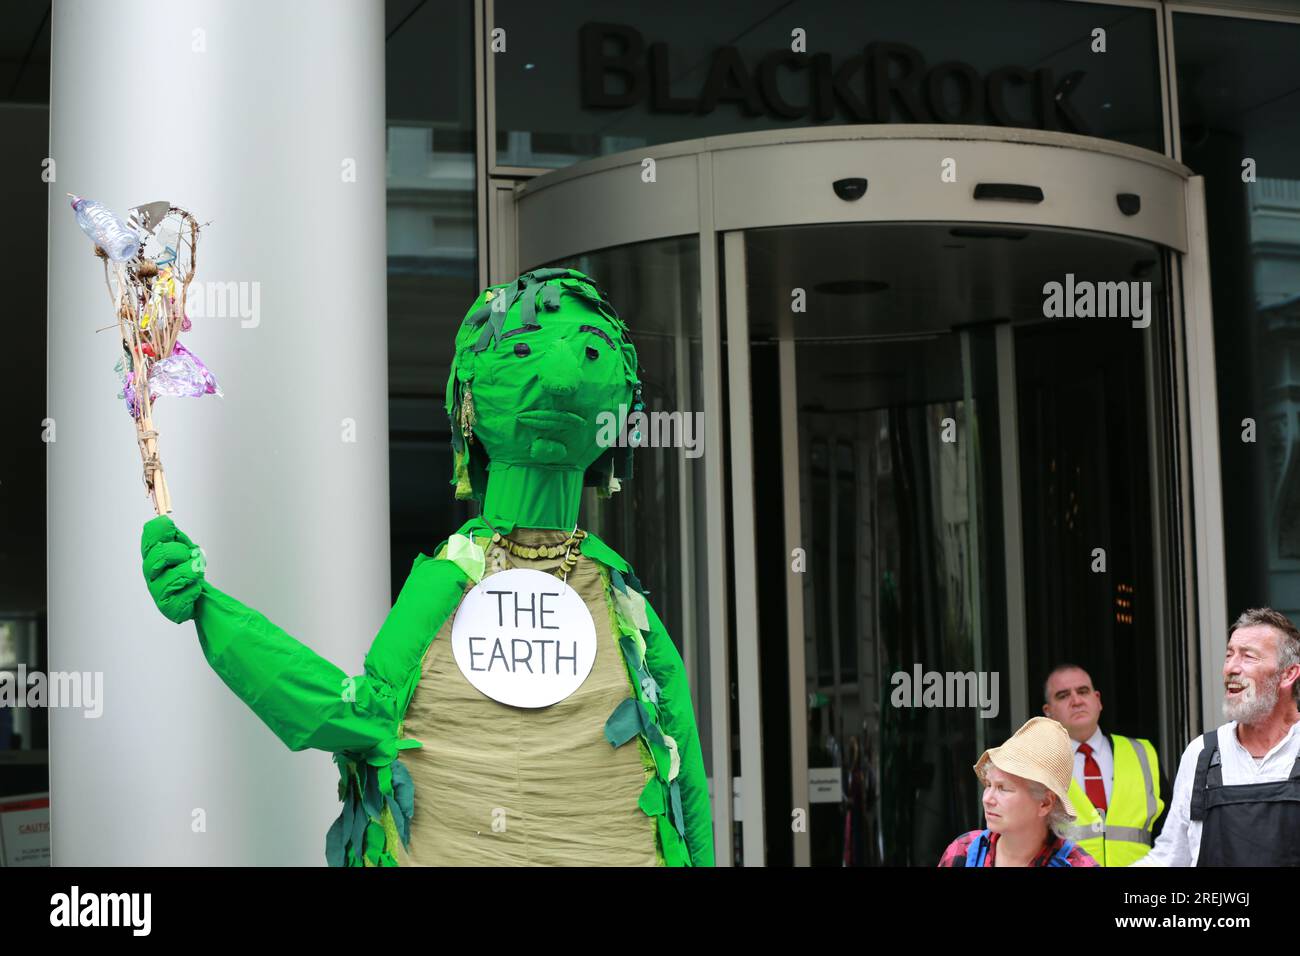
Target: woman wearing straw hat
point(1025, 803)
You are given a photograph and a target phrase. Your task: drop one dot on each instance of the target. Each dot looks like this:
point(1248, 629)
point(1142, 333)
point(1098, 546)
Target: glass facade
point(1239, 124)
point(654, 520)
point(572, 83)
point(901, 425)
point(24, 131)
point(432, 259)
point(1099, 433)
point(905, 549)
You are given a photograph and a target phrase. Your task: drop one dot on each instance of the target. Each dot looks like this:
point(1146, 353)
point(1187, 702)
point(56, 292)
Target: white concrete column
point(253, 115)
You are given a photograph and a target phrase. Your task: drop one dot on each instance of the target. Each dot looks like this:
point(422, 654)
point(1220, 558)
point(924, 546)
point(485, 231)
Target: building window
point(571, 85)
point(432, 258)
point(1238, 101)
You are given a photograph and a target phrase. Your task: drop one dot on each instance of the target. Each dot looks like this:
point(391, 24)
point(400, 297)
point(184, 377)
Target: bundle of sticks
point(148, 294)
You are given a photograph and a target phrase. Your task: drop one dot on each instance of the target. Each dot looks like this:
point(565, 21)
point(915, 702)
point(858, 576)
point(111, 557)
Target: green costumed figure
point(606, 770)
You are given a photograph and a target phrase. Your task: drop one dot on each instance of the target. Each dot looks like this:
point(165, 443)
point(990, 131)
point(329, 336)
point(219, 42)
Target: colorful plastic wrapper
point(128, 393)
point(182, 375)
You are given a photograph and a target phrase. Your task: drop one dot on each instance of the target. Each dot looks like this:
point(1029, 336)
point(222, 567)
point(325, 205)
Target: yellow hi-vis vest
point(1123, 835)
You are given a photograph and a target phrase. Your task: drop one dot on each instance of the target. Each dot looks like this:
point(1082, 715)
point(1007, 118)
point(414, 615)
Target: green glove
point(173, 568)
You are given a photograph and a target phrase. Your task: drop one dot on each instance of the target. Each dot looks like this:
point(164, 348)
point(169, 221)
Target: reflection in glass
point(1239, 98)
point(657, 520)
point(655, 65)
point(432, 259)
point(911, 343)
point(893, 516)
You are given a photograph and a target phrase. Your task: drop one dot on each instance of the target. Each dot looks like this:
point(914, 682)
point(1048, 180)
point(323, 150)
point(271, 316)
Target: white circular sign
point(524, 638)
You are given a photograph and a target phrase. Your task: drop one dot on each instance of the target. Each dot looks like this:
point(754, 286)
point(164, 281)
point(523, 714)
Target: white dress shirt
point(1101, 753)
point(1179, 843)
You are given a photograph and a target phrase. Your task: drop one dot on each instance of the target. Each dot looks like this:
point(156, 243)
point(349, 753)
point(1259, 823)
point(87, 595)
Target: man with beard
point(1236, 800)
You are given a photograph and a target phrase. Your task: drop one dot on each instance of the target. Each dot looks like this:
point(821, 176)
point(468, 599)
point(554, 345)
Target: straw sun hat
point(1039, 751)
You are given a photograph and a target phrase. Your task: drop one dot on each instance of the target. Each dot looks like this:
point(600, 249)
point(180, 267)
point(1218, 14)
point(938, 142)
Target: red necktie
point(1093, 785)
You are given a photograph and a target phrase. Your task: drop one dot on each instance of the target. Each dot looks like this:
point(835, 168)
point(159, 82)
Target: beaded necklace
point(533, 552)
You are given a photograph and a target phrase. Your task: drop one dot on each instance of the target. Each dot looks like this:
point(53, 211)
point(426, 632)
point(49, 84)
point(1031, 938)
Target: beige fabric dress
point(509, 786)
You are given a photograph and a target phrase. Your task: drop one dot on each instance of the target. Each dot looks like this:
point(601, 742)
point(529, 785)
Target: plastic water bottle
point(105, 229)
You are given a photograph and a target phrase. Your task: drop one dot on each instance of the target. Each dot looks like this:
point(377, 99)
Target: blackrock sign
point(886, 82)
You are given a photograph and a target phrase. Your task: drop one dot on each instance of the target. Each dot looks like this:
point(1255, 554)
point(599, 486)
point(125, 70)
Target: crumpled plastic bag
point(182, 375)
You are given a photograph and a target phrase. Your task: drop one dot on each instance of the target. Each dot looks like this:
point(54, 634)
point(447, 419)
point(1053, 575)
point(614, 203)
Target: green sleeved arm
point(307, 701)
point(430, 595)
point(678, 720)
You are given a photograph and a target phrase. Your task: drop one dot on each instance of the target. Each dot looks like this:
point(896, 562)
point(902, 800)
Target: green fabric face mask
point(542, 382)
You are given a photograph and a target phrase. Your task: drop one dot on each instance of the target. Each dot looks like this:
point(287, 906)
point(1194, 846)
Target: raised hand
point(173, 568)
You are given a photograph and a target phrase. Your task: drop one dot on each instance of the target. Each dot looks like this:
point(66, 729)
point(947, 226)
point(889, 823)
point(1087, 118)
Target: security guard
point(1116, 785)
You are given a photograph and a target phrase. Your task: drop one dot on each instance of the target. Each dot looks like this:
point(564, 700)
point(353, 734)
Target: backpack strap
point(978, 849)
point(1209, 771)
point(1062, 855)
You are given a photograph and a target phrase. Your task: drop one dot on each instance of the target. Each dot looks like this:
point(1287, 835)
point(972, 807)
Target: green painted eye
point(592, 353)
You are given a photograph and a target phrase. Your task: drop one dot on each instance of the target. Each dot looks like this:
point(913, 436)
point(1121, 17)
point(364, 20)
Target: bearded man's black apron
point(1254, 824)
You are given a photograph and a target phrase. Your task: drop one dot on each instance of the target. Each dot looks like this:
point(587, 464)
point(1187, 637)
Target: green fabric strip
point(378, 803)
point(528, 313)
point(678, 721)
point(624, 723)
point(550, 298)
point(639, 714)
point(652, 798)
point(464, 552)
